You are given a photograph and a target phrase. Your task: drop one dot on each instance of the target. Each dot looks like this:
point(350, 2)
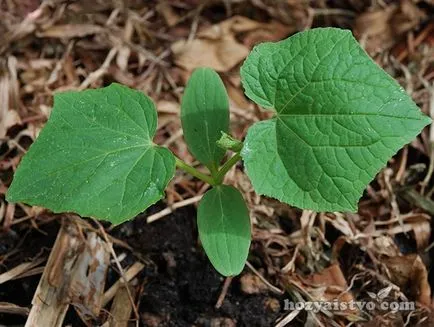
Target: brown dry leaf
point(221, 55)
point(385, 245)
point(409, 273)
point(236, 24)
point(237, 96)
point(252, 284)
point(421, 227)
point(68, 31)
point(417, 223)
point(216, 46)
point(382, 27)
point(290, 12)
point(271, 32)
point(168, 13)
point(334, 285)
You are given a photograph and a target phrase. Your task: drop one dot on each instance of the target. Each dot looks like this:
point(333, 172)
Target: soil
point(180, 287)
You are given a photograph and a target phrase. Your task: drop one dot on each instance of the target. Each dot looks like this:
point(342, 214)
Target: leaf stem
point(193, 171)
point(225, 168)
point(213, 168)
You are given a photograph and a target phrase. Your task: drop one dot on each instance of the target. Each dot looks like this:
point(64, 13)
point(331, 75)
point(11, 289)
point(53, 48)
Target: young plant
point(338, 118)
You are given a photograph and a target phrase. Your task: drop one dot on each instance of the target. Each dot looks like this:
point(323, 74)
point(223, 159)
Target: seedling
point(338, 118)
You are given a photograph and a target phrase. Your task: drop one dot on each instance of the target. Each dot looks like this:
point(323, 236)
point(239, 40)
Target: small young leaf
point(227, 142)
point(204, 114)
point(338, 119)
point(224, 229)
point(95, 156)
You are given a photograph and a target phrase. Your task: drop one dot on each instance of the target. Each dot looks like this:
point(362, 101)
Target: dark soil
point(178, 286)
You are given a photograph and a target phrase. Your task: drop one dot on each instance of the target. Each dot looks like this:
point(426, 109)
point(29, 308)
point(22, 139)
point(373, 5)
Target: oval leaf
point(204, 114)
point(95, 156)
point(339, 118)
point(224, 229)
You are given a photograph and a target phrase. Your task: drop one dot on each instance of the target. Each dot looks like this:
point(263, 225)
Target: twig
point(333, 11)
point(223, 293)
point(431, 140)
point(172, 208)
point(94, 76)
point(129, 275)
point(290, 317)
point(402, 165)
point(266, 282)
point(121, 270)
point(290, 265)
point(19, 270)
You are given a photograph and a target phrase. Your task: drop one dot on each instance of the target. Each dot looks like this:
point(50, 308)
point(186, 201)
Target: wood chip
point(75, 274)
point(10, 308)
point(19, 270)
point(129, 275)
point(88, 277)
point(121, 308)
point(68, 31)
point(48, 307)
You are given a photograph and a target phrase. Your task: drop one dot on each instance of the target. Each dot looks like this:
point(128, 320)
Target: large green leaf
point(224, 229)
point(204, 114)
point(95, 156)
point(338, 119)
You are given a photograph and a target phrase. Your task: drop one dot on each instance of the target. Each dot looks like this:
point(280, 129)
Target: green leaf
point(338, 119)
point(228, 142)
point(95, 156)
point(224, 229)
point(204, 114)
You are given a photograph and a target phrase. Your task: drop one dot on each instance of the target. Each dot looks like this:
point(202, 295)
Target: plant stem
point(225, 168)
point(213, 169)
point(193, 171)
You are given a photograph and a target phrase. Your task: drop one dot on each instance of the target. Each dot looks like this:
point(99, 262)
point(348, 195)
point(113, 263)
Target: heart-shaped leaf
point(338, 119)
point(95, 156)
point(204, 114)
point(224, 229)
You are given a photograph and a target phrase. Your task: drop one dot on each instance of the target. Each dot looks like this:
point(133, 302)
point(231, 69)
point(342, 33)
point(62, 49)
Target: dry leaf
point(252, 284)
point(221, 55)
point(409, 273)
point(421, 227)
point(271, 32)
point(216, 46)
point(334, 286)
point(168, 13)
point(237, 96)
point(385, 245)
point(68, 31)
point(233, 25)
point(381, 27)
